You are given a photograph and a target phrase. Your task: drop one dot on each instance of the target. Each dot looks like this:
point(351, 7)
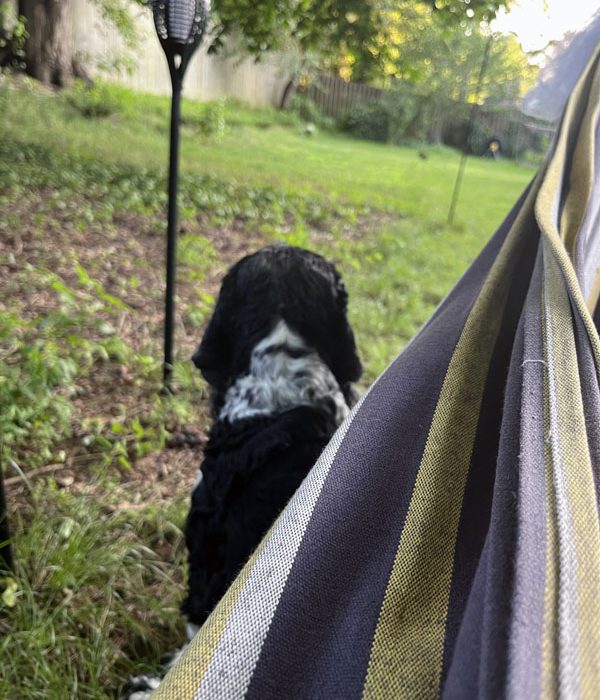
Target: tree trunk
point(49, 47)
point(288, 92)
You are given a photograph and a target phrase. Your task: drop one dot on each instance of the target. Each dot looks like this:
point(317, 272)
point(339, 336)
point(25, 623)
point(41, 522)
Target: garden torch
point(6, 561)
point(180, 25)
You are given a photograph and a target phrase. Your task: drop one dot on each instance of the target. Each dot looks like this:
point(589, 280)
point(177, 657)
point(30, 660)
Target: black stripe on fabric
point(319, 642)
point(479, 659)
point(477, 502)
point(597, 316)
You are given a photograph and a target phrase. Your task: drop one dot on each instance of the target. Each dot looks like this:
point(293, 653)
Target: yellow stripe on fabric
point(580, 480)
point(184, 679)
point(549, 191)
point(407, 651)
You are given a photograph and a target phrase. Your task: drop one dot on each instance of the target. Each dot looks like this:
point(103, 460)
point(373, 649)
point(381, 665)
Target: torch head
point(180, 24)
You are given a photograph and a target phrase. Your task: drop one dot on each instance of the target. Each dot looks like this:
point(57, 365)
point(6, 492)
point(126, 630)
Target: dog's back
point(251, 469)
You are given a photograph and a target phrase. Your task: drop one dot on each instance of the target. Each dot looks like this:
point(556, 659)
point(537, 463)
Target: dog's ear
point(345, 362)
point(214, 354)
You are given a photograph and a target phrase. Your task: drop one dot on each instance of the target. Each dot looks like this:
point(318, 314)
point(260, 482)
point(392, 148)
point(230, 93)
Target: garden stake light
point(180, 25)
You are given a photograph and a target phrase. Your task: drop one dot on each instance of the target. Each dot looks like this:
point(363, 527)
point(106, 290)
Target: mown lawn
point(98, 462)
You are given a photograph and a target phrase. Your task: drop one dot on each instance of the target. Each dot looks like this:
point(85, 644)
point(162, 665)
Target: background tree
point(363, 36)
point(49, 42)
point(360, 29)
point(48, 48)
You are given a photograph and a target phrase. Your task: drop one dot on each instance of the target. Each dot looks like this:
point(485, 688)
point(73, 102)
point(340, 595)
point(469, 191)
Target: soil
point(129, 248)
point(132, 247)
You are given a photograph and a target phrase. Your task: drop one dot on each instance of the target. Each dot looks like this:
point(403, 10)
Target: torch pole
point(6, 560)
point(176, 81)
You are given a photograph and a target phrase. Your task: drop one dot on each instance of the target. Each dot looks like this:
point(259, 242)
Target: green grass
point(327, 165)
point(90, 589)
point(82, 204)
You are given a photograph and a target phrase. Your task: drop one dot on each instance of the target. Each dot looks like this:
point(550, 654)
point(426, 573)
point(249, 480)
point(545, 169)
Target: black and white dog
point(279, 356)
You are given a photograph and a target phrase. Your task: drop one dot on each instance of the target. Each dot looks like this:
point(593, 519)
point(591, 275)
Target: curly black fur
point(250, 471)
point(253, 466)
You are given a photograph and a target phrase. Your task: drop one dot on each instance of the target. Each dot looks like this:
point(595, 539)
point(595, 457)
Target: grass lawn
point(98, 462)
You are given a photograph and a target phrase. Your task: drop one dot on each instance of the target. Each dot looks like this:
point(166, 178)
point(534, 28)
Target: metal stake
point(463, 157)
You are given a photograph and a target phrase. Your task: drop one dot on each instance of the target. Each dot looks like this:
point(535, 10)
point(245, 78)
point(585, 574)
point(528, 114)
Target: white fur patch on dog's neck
point(284, 373)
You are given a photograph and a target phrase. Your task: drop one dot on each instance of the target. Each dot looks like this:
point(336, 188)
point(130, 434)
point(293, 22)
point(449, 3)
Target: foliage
point(34, 389)
point(369, 121)
point(457, 10)
point(93, 100)
point(445, 63)
point(12, 35)
point(43, 360)
point(409, 37)
point(85, 590)
point(210, 122)
point(367, 32)
point(439, 71)
point(399, 118)
point(308, 111)
point(117, 13)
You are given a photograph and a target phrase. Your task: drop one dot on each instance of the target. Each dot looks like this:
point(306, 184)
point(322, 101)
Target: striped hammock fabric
point(447, 542)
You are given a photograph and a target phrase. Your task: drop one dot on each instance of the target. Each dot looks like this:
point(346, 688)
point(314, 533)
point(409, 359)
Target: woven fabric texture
point(447, 542)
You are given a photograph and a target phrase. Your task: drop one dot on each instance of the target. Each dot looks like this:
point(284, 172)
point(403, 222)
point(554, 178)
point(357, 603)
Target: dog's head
point(278, 283)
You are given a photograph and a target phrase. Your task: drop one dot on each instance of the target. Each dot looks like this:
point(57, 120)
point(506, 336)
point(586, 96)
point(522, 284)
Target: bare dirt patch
point(126, 258)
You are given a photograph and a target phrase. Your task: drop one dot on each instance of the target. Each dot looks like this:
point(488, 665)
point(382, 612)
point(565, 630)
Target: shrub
point(367, 121)
point(405, 110)
point(209, 120)
point(307, 111)
point(95, 100)
point(400, 117)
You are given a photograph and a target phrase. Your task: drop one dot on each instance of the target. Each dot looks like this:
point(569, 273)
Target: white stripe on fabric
point(587, 258)
point(568, 634)
point(525, 627)
point(230, 670)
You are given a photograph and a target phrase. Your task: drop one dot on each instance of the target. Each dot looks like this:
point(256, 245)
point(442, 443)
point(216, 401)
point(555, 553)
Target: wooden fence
point(208, 77)
point(334, 96)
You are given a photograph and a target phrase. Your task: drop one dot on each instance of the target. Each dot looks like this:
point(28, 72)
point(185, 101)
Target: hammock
point(447, 541)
